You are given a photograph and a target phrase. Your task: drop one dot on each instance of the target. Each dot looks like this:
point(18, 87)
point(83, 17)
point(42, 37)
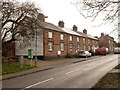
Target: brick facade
point(107, 42)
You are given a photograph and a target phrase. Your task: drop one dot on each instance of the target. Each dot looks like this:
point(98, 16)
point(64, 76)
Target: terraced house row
point(58, 41)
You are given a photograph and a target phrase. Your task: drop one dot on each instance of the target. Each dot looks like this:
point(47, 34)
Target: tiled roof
point(50, 26)
point(67, 30)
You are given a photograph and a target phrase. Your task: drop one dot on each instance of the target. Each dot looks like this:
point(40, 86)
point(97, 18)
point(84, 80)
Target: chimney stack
point(61, 24)
point(74, 28)
point(41, 17)
point(102, 34)
point(85, 31)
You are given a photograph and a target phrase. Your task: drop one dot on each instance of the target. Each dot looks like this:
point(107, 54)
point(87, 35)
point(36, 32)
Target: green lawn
point(14, 67)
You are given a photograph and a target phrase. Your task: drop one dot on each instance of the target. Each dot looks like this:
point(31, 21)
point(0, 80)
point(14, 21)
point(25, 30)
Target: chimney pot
point(41, 17)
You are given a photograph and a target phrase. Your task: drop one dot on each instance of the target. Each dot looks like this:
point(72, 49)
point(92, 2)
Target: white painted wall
point(24, 50)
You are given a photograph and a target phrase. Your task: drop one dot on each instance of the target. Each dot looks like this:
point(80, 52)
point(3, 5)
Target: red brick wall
point(8, 49)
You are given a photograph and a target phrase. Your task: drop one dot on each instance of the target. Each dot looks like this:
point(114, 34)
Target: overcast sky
point(63, 10)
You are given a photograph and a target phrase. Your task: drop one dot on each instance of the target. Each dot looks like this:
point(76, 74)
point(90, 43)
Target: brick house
point(107, 42)
point(57, 41)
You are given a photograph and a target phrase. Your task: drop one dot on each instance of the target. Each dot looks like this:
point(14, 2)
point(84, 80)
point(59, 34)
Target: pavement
point(45, 65)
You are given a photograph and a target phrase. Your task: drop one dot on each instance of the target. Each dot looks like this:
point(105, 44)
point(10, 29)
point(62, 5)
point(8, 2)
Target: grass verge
point(117, 67)
point(14, 67)
point(110, 80)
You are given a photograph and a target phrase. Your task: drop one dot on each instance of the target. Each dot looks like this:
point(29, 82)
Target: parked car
point(101, 51)
point(117, 50)
point(93, 52)
point(85, 54)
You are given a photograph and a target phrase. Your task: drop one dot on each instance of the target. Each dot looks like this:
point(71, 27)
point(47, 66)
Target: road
point(66, 75)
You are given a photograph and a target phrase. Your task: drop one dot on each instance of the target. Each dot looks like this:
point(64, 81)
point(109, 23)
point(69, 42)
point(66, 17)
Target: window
point(78, 39)
point(70, 47)
point(50, 46)
point(61, 36)
point(109, 41)
point(84, 47)
point(70, 38)
point(88, 41)
point(50, 35)
point(93, 42)
point(96, 42)
point(88, 48)
point(62, 46)
point(83, 40)
point(78, 47)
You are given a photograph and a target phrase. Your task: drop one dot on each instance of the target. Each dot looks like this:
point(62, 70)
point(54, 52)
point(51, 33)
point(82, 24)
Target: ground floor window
point(71, 47)
point(78, 47)
point(50, 46)
point(62, 46)
point(84, 47)
point(88, 48)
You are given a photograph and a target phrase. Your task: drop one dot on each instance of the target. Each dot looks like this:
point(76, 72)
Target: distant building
point(107, 42)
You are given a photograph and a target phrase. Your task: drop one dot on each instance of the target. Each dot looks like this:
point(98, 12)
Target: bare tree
point(18, 20)
point(93, 8)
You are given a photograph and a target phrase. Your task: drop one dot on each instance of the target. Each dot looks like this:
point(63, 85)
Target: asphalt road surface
point(66, 75)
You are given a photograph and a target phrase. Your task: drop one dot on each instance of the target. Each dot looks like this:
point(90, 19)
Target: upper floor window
point(83, 40)
point(61, 36)
point(109, 41)
point(70, 47)
point(70, 38)
point(50, 46)
point(88, 41)
point(78, 39)
point(96, 42)
point(50, 35)
point(62, 46)
point(93, 42)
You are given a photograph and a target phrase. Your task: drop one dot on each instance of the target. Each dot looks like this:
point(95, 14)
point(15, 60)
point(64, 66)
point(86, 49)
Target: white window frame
point(62, 46)
point(61, 37)
point(109, 41)
point(78, 47)
point(50, 46)
point(50, 34)
point(96, 42)
point(88, 48)
point(83, 40)
point(84, 47)
point(78, 39)
point(93, 42)
point(88, 41)
point(70, 38)
point(71, 47)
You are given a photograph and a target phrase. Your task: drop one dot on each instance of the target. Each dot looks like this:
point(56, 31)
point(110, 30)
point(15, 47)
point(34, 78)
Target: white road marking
point(71, 71)
point(38, 83)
